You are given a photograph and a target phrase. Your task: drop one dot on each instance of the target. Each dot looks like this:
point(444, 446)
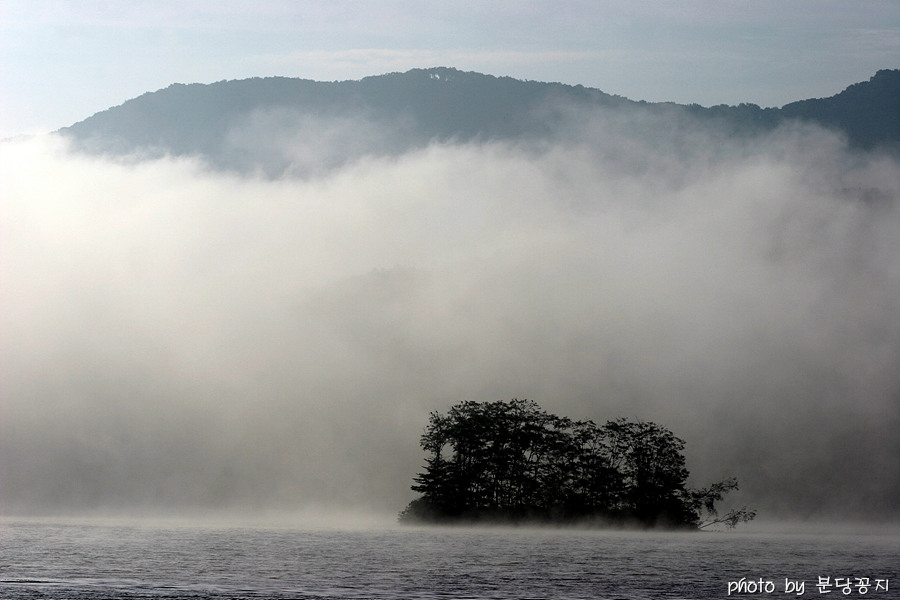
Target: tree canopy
point(513, 461)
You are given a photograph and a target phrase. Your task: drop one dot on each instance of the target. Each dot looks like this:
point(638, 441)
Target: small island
point(512, 462)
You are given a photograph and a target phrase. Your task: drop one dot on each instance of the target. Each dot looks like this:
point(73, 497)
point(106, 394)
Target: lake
point(85, 559)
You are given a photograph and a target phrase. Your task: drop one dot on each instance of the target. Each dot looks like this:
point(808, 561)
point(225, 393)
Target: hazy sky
point(63, 60)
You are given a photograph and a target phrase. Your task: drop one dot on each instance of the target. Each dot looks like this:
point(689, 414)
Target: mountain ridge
point(442, 103)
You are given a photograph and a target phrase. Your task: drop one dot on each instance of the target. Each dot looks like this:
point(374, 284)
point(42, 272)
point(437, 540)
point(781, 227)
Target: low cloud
point(177, 338)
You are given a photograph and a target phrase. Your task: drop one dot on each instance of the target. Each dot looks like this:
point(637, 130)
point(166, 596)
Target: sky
point(64, 60)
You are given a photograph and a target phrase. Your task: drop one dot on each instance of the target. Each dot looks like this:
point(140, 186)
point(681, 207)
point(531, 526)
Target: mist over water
point(175, 337)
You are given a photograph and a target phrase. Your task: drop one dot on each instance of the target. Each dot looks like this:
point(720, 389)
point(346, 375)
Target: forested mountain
point(868, 112)
point(234, 124)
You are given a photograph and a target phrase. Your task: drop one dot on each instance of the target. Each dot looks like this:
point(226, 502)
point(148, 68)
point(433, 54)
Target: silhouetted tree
point(702, 502)
point(514, 461)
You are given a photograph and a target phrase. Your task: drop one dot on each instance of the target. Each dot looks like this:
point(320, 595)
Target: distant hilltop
point(438, 104)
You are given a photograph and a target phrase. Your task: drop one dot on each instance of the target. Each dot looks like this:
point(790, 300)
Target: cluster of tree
point(513, 461)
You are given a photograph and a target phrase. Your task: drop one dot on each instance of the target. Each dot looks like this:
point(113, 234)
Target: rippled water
point(40, 559)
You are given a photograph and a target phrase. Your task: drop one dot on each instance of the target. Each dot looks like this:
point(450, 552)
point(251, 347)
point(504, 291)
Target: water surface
point(77, 559)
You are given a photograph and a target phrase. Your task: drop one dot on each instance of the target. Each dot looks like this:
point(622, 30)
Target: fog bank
point(176, 338)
